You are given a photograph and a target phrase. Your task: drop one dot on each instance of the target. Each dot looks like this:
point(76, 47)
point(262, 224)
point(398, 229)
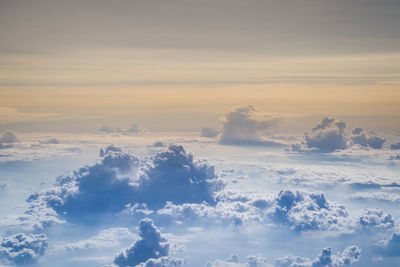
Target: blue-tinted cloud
point(233, 261)
point(22, 248)
point(349, 256)
point(120, 179)
point(395, 146)
point(389, 247)
point(152, 249)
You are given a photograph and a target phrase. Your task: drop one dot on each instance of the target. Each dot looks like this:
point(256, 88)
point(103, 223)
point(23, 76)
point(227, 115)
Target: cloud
point(389, 247)
point(8, 137)
point(233, 261)
point(167, 261)
point(327, 136)
point(349, 256)
point(108, 130)
point(395, 146)
point(110, 237)
point(375, 219)
point(376, 196)
point(307, 212)
point(247, 126)
point(158, 144)
point(50, 141)
point(298, 211)
point(209, 132)
point(364, 139)
point(121, 178)
point(22, 248)
point(146, 250)
point(134, 129)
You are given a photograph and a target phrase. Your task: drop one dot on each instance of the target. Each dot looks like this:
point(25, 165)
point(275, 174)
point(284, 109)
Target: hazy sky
point(93, 60)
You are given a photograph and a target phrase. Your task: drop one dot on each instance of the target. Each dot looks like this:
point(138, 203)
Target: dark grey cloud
point(247, 126)
point(23, 249)
point(53, 141)
point(7, 140)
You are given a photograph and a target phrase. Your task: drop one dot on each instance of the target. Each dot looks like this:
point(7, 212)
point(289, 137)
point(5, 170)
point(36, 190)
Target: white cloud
point(349, 256)
point(22, 248)
point(247, 126)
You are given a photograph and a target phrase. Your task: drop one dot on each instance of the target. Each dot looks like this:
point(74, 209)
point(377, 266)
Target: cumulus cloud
point(209, 132)
point(349, 256)
point(300, 212)
point(361, 137)
point(151, 249)
point(389, 247)
point(247, 126)
point(22, 248)
point(233, 261)
point(375, 219)
point(121, 178)
point(327, 136)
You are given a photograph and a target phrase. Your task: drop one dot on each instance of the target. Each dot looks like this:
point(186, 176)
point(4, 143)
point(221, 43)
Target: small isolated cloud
point(7, 140)
point(247, 126)
point(389, 247)
point(233, 261)
point(152, 249)
point(360, 137)
point(158, 144)
point(22, 249)
point(53, 141)
point(395, 146)
point(8, 137)
point(327, 136)
point(209, 132)
point(349, 256)
point(108, 130)
point(134, 129)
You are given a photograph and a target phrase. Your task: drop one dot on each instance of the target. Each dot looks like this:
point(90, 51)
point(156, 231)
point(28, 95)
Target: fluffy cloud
point(146, 250)
point(209, 132)
point(233, 261)
point(246, 126)
point(23, 249)
point(110, 237)
point(167, 261)
point(121, 178)
point(364, 139)
point(327, 136)
point(307, 212)
point(375, 219)
point(389, 247)
point(349, 256)
point(299, 212)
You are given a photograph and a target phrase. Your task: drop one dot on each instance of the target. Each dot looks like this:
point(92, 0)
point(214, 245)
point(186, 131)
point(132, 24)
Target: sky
point(104, 60)
point(222, 133)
